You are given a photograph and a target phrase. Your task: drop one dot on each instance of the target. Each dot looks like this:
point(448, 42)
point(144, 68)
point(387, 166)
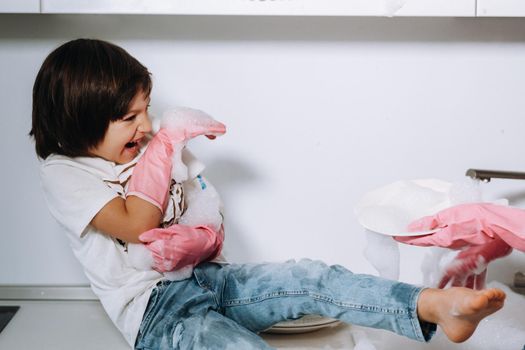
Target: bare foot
point(458, 310)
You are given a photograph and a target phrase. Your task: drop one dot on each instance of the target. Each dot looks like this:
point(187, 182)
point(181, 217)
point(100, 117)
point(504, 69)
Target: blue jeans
point(225, 306)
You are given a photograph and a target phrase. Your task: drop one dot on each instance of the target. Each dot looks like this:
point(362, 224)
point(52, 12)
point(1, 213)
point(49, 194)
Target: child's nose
point(145, 125)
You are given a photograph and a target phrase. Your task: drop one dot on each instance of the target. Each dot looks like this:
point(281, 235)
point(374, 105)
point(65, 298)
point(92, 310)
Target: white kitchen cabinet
point(501, 8)
point(19, 6)
point(267, 7)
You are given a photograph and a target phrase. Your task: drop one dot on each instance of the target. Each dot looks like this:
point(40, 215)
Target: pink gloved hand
point(470, 224)
point(178, 246)
point(469, 268)
point(183, 124)
point(152, 174)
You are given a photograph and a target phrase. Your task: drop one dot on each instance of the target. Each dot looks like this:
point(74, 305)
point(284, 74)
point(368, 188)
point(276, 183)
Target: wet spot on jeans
point(255, 278)
point(262, 273)
point(312, 273)
point(218, 332)
point(400, 292)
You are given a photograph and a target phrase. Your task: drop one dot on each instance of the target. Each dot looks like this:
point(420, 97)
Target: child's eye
point(130, 118)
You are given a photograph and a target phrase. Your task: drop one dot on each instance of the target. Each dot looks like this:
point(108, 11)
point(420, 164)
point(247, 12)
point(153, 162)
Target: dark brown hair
point(81, 87)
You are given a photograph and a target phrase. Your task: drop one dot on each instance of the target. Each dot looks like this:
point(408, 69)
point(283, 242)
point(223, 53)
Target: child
point(90, 120)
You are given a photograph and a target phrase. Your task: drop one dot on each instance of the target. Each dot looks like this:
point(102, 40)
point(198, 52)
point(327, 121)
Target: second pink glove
point(483, 231)
point(179, 246)
point(469, 268)
point(470, 224)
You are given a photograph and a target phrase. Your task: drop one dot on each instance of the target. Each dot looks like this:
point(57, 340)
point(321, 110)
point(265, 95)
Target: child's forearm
point(127, 219)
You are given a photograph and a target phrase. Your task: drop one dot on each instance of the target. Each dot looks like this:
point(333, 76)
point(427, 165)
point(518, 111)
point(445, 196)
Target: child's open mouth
point(131, 144)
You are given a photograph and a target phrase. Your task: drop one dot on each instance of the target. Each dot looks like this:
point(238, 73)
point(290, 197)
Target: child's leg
point(182, 315)
point(258, 296)
point(215, 331)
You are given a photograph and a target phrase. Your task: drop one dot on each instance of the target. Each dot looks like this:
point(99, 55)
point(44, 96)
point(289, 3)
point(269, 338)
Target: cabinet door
point(268, 7)
point(19, 6)
point(501, 8)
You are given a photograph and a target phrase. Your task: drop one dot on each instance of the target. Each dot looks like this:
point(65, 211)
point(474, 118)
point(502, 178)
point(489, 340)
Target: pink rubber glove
point(152, 174)
point(469, 268)
point(484, 232)
point(470, 224)
point(179, 246)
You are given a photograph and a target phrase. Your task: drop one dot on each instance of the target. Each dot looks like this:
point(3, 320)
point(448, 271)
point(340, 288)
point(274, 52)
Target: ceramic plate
point(304, 324)
point(390, 209)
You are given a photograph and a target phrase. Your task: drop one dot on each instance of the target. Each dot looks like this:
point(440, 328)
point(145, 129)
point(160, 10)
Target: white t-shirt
point(75, 190)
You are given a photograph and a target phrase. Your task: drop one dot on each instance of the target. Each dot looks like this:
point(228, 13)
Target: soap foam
point(467, 190)
point(383, 253)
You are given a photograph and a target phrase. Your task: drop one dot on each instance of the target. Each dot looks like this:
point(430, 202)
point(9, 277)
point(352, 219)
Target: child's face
point(122, 140)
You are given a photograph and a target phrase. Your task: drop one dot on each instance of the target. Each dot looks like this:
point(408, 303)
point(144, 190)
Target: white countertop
point(83, 324)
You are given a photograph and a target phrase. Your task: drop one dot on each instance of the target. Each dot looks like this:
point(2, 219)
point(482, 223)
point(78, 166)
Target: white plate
point(390, 209)
point(304, 324)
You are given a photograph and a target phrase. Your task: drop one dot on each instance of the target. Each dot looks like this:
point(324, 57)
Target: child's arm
point(147, 194)
point(127, 219)
point(77, 196)
point(148, 188)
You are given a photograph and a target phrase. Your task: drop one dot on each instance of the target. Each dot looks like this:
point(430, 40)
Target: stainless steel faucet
point(487, 175)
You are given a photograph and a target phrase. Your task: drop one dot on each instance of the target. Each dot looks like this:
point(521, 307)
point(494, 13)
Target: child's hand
point(484, 232)
point(470, 224)
point(469, 268)
point(183, 124)
point(178, 246)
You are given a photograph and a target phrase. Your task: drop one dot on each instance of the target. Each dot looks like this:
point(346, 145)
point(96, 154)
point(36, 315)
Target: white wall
point(319, 110)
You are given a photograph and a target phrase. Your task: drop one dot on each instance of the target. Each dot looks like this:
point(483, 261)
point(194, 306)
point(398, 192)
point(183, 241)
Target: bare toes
point(495, 295)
